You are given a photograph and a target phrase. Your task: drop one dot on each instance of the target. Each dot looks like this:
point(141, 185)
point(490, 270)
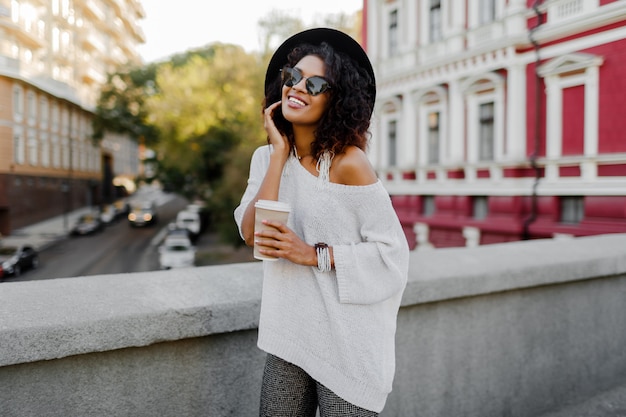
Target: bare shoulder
point(352, 167)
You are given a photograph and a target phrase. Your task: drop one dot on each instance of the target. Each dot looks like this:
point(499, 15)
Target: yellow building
point(54, 57)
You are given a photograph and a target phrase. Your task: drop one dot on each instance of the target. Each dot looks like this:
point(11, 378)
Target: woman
point(330, 302)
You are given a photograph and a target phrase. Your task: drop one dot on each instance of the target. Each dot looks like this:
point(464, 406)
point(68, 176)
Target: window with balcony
point(572, 209)
point(435, 21)
point(393, 32)
point(433, 137)
point(486, 132)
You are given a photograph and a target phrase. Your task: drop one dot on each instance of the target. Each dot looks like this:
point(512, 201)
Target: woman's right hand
point(279, 142)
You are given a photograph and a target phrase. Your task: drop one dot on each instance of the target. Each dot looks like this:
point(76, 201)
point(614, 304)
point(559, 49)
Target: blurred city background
point(498, 131)
point(495, 120)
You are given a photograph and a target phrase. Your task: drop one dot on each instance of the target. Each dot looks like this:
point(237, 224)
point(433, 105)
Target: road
point(118, 249)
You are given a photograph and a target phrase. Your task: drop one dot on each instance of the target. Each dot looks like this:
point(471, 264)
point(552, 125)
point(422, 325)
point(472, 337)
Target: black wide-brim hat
point(340, 41)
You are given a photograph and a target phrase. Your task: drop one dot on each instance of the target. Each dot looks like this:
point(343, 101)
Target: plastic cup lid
point(273, 205)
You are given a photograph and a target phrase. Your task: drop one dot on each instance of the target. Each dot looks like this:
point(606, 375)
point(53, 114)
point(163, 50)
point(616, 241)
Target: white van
point(190, 220)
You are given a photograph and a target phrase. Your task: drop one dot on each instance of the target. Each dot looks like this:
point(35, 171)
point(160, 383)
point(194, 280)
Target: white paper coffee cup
point(268, 210)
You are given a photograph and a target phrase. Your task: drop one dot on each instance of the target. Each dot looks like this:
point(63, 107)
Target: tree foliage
point(203, 110)
point(121, 108)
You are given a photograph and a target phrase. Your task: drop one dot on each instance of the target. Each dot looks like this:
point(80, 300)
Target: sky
point(175, 26)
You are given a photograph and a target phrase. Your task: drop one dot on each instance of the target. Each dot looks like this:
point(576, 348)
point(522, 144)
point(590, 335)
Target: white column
point(456, 31)
point(375, 145)
point(554, 120)
point(456, 122)
point(407, 136)
point(516, 114)
point(411, 24)
point(590, 168)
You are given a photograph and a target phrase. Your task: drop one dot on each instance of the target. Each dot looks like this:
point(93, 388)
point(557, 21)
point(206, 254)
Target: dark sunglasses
point(314, 85)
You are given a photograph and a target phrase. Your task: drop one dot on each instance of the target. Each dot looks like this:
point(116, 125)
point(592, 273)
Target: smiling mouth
point(297, 101)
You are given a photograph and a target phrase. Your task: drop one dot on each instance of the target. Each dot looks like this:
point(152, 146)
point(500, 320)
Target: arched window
point(484, 102)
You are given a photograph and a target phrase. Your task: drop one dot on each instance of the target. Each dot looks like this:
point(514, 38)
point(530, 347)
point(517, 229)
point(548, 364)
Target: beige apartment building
point(54, 57)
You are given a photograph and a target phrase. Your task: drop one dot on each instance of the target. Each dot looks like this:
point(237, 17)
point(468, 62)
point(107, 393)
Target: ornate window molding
point(571, 70)
point(390, 115)
point(477, 91)
point(428, 102)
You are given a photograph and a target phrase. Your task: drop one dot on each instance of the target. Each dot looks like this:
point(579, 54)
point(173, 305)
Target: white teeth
point(295, 100)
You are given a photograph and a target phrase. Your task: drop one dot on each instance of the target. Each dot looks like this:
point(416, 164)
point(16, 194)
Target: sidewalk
point(45, 233)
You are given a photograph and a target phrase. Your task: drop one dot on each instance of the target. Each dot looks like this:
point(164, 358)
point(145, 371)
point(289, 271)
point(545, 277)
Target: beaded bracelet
point(323, 257)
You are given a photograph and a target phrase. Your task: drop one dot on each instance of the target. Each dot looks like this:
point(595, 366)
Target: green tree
point(208, 111)
point(120, 107)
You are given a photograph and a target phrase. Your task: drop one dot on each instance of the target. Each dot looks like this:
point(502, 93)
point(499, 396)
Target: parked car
point(143, 214)
point(190, 220)
point(202, 210)
point(87, 224)
point(108, 214)
point(177, 251)
point(16, 259)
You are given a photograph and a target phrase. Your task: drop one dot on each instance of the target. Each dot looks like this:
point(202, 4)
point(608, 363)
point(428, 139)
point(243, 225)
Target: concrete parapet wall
point(516, 329)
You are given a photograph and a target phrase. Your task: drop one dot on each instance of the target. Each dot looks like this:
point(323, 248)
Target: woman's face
point(298, 106)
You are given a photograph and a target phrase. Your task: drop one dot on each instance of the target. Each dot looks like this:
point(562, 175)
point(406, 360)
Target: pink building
point(500, 120)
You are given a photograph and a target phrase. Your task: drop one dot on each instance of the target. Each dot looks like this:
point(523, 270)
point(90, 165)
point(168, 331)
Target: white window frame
point(387, 9)
point(478, 92)
point(440, 33)
point(425, 25)
point(390, 110)
point(428, 101)
point(585, 70)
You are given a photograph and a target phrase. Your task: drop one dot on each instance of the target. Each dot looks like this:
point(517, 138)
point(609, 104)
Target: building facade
point(54, 57)
point(500, 120)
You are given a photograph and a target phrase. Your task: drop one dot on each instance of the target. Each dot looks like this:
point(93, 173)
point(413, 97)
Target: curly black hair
point(347, 119)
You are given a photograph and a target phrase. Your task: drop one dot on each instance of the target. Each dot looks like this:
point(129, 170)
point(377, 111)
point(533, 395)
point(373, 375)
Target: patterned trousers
point(288, 391)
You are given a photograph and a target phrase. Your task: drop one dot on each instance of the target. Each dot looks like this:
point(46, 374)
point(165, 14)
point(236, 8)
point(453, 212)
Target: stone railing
point(517, 329)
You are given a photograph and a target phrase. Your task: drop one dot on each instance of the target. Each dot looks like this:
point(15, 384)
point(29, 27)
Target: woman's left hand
point(284, 243)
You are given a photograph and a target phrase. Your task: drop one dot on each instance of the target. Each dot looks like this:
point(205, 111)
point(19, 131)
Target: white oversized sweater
point(338, 326)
